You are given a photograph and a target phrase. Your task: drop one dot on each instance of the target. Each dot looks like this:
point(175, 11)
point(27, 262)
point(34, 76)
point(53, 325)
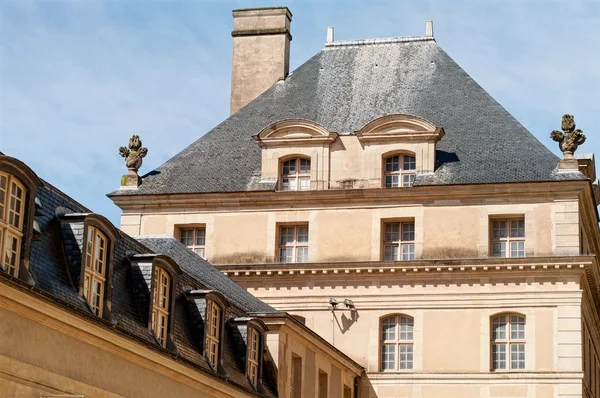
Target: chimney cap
point(276, 10)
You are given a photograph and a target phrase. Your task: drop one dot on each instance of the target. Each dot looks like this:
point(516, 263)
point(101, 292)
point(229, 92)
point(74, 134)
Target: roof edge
point(388, 40)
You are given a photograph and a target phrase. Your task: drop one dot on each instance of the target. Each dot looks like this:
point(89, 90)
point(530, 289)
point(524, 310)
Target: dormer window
point(254, 351)
point(12, 196)
point(295, 174)
point(95, 269)
point(160, 305)
point(399, 171)
point(213, 333)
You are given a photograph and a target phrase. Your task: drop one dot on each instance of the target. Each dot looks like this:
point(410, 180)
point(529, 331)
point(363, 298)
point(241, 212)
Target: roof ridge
point(385, 40)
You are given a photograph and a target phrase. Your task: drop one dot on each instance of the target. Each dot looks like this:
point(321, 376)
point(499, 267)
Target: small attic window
point(95, 269)
point(254, 356)
point(399, 170)
point(161, 296)
point(12, 197)
point(214, 324)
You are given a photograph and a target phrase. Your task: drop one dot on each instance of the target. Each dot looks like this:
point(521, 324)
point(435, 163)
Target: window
point(12, 198)
point(293, 243)
point(508, 237)
point(194, 239)
point(253, 356)
point(399, 241)
point(508, 342)
point(213, 333)
point(399, 171)
point(295, 174)
point(160, 305)
point(95, 269)
point(397, 343)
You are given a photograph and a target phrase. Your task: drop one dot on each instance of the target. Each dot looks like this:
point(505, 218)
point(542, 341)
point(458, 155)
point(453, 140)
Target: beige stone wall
point(452, 328)
point(451, 228)
point(35, 358)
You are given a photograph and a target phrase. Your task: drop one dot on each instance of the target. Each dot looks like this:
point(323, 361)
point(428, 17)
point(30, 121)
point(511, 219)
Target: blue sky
point(78, 78)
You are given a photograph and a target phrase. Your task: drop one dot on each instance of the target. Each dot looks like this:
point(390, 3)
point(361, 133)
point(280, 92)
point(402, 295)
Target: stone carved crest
point(133, 160)
point(569, 138)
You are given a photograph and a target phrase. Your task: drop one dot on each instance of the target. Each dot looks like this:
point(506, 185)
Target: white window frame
point(513, 341)
point(94, 277)
point(161, 297)
point(12, 214)
point(402, 343)
point(300, 179)
point(213, 333)
point(254, 351)
point(298, 247)
point(399, 170)
point(194, 233)
point(514, 237)
point(401, 248)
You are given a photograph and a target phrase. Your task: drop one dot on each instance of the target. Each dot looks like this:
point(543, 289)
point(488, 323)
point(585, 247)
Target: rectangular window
point(160, 305)
point(194, 238)
point(508, 342)
point(12, 212)
point(253, 356)
point(95, 266)
point(293, 243)
point(397, 334)
point(399, 171)
point(399, 241)
point(507, 237)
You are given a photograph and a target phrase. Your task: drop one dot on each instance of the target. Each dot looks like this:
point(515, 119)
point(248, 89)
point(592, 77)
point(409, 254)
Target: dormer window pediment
point(400, 128)
point(294, 132)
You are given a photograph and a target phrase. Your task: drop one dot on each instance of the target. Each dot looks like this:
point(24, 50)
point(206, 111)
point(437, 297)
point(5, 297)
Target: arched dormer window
point(396, 343)
point(214, 326)
point(12, 207)
point(254, 354)
point(507, 342)
point(399, 170)
point(95, 269)
point(295, 174)
point(162, 304)
point(18, 187)
point(161, 297)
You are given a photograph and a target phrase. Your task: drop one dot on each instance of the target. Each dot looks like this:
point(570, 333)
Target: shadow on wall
point(346, 321)
point(449, 252)
point(242, 258)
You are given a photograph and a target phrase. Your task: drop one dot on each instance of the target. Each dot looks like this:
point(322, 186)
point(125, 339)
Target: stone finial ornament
point(569, 138)
point(133, 160)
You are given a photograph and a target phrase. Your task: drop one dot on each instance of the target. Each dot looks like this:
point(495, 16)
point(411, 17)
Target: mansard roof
point(346, 86)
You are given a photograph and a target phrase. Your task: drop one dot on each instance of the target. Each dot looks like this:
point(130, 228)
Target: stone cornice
point(422, 267)
point(417, 195)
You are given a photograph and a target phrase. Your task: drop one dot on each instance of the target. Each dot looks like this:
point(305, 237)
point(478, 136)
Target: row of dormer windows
point(399, 171)
point(98, 246)
point(507, 239)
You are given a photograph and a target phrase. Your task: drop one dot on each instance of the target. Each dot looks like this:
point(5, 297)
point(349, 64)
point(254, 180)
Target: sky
point(78, 78)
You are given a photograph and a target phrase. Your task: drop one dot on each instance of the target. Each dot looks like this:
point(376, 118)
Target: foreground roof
point(349, 84)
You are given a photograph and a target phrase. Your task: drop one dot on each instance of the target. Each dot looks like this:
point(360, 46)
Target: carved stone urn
point(133, 160)
point(568, 140)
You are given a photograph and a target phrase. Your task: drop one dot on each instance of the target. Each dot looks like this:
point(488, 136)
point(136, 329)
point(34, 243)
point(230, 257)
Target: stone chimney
point(261, 52)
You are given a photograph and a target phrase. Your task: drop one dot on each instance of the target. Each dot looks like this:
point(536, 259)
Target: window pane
point(517, 327)
point(408, 251)
point(499, 249)
point(392, 232)
point(408, 231)
point(286, 255)
point(285, 184)
point(199, 252)
point(499, 328)
point(388, 357)
point(392, 164)
point(289, 167)
point(499, 229)
point(304, 183)
point(498, 356)
point(303, 234)
point(286, 235)
point(304, 166)
point(391, 181)
point(517, 228)
point(406, 328)
point(390, 253)
point(517, 356)
point(302, 255)
point(406, 356)
point(517, 249)
point(409, 163)
point(186, 237)
point(388, 329)
point(408, 180)
point(3, 182)
point(200, 236)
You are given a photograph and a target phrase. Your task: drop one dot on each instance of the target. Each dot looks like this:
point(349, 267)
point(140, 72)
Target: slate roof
point(55, 261)
point(344, 87)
